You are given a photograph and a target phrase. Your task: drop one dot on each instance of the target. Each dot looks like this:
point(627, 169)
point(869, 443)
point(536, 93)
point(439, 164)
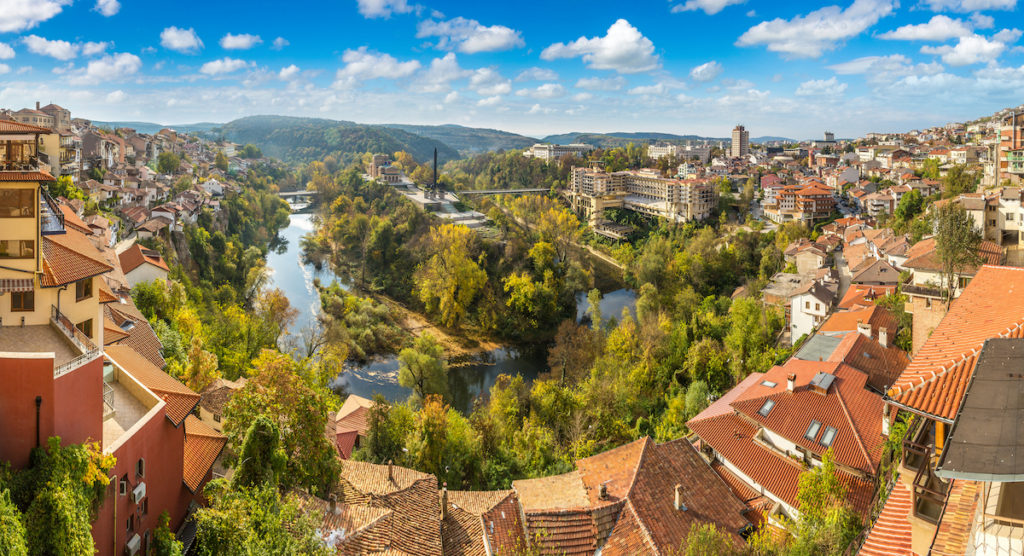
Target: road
point(844, 273)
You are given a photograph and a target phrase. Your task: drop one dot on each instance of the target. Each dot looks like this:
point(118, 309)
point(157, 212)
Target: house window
point(17, 249)
point(812, 430)
point(123, 486)
point(817, 306)
point(85, 327)
point(140, 468)
point(23, 301)
point(17, 203)
point(216, 417)
point(766, 408)
point(83, 289)
point(807, 304)
point(828, 436)
point(1009, 217)
point(144, 507)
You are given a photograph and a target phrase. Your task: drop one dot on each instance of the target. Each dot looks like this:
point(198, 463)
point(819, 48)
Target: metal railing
point(108, 395)
point(88, 350)
point(51, 218)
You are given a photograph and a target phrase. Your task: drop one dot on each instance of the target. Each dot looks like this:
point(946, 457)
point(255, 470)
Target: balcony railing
point(51, 219)
point(88, 350)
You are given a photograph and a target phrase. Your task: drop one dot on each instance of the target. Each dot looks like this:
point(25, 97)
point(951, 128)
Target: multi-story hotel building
point(591, 191)
point(63, 375)
point(683, 152)
point(548, 152)
point(740, 142)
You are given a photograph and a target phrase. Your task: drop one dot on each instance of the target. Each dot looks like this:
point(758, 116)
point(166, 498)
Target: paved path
point(844, 274)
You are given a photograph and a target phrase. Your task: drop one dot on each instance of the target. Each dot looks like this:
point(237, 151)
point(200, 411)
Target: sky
point(793, 69)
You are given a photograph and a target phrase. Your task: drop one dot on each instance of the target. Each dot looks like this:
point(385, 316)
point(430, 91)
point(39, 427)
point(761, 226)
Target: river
point(467, 378)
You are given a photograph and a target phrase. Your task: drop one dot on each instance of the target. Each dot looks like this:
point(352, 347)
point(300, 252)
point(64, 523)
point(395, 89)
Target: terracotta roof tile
point(352, 415)
point(475, 514)
point(992, 305)
point(628, 537)
point(883, 365)
point(70, 257)
point(891, 532)
point(112, 332)
point(567, 532)
point(203, 446)
point(846, 321)
point(141, 337)
point(135, 256)
point(861, 296)
point(549, 493)
point(953, 533)
point(216, 395)
point(922, 255)
point(180, 399)
point(11, 126)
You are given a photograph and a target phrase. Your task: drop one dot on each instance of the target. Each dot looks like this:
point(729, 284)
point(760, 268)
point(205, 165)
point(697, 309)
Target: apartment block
point(1010, 161)
point(548, 152)
point(740, 142)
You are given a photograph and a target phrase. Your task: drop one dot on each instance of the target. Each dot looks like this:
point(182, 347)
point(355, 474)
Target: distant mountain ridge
point(472, 140)
point(151, 128)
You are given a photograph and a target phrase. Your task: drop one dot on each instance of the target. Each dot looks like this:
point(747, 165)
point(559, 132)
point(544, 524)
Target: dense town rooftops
point(992, 305)
point(923, 256)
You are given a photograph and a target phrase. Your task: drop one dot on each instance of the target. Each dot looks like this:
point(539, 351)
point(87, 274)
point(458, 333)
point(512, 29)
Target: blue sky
point(679, 66)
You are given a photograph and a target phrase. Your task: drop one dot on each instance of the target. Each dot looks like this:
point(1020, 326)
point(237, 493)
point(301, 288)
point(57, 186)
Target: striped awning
point(15, 285)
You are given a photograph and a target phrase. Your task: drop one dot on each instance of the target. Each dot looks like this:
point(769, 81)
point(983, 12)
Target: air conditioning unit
point(134, 545)
point(139, 492)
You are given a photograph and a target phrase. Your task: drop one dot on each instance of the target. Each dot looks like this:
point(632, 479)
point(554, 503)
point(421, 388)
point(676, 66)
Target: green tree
point(704, 539)
point(594, 309)
point(243, 522)
point(387, 428)
point(930, 169)
point(12, 530)
point(959, 180)
point(911, 204)
point(956, 244)
point(167, 163)
point(262, 460)
point(64, 187)
point(422, 367)
point(573, 353)
point(827, 524)
point(164, 542)
point(289, 392)
point(221, 161)
point(449, 280)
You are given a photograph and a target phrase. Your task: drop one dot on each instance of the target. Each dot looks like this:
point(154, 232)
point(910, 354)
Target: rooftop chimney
point(883, 337)
point(886, 415)
point(332, 504)
point(791, 382)
point(864, 329)
point(602, 491)
point(679, 498)
point(391, 472)
point(444, 501)
point(37, 105)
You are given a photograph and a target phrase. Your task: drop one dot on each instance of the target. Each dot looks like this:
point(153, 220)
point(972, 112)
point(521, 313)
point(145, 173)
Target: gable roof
point(846, 321)
point(203, 446)
point(70, 257)
point(883, 365)
point(136, 256)
point(141, 337)
point(923, 256)
point(861, 296)
point(352, 415)
point(991, 306)
point(878, 271)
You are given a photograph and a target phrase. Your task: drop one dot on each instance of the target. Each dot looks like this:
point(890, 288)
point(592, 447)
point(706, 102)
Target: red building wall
point(21, 380)
point(162, 447)
point(78, 404)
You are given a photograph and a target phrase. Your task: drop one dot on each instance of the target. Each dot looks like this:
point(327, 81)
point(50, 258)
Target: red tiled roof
point(141, 337)
point(70, 257)
point(953, 533)
point(628, 537)
point(72, 219)
point(992, 305)
point(922, 255)
point(846, 321)
point(891, 533)
point(861, 296)
point(883, 365)
point(202, 447)
point(6, 175)
point(352, 415)
point(180, 399)
point(135, 256)
point(11, 126)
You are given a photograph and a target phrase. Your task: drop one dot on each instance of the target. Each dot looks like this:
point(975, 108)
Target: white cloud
point(451, 97)
point(21, 15)
point(538, 109)
point(107, 8)
point(94, 48)
point(809, 36)
point(652, 90)
point(598, 84)
point(821, 87)
point(108, 68)
point(547, 90)
point(362, 64)
point(279, 43)
point(488, 82)
point(469, 36)
point(1007, 36)
point(287, 73)
point(489, 101)
point(973, 49)
point(438, 76)
point(4, 68)
point(243, 41)
point(710, 7)
point(6, 52)
point(224, 65)
point(383, 8)
point(623, 49)
point(969, 5)
point(580, 97)
point(61, 50)
point(537, 74)
point(885, 67)
point(706, 72)
point(982, 21)
point(185, 41)
point(116, 96)
point(938, 28)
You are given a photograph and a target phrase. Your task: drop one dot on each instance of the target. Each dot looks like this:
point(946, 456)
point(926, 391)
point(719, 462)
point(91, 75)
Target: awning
point(16, 285)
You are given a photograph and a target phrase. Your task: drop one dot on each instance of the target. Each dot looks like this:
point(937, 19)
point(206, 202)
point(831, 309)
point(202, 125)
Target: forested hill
point(620, 139)
point(306, 139)
point(469, 139)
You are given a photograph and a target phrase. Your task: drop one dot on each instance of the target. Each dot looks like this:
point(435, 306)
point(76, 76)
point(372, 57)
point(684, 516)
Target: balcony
point(87, 350)
point(21, 156)
point(929, 490)
point(51, 218)
point(70, 347)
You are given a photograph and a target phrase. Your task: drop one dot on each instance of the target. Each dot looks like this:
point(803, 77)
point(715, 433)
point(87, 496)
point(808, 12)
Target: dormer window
point(768, 383)
point(766, 408)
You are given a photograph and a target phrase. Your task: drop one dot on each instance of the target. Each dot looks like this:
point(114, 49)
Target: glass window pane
point(828, 436)
point(812, 430)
